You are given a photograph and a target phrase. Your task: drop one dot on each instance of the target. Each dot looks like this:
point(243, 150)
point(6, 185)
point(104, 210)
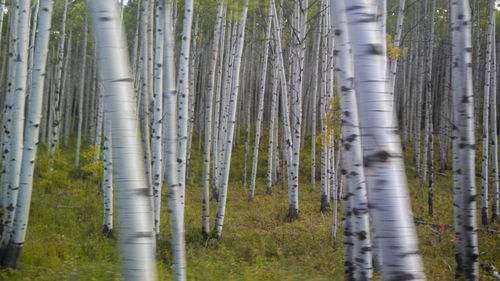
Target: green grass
point(64, 240)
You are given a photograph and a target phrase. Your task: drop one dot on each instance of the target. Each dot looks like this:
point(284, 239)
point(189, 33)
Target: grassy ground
point(64, 240)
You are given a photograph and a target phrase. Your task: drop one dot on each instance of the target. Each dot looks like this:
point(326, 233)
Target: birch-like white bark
point(156, 141)
point(395, 233)
point(260, 109)
point(205, 217)
point(136, 230)
point(464, 142)
point(494, 144)
point(107, 222)
point(358, 255)
point(183, 99)
point(17, 124)
point(31, 138)
point(221, 208)
point(486, 119)
point(81, 93)
point(56, 121)
point(170, 135)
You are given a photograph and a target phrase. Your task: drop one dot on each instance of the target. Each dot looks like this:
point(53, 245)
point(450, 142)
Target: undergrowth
point(65, 241)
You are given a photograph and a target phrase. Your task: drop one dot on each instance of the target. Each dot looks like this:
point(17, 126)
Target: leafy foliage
point(394, 52)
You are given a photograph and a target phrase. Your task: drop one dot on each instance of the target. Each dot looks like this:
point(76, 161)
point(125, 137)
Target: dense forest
point(172, 140)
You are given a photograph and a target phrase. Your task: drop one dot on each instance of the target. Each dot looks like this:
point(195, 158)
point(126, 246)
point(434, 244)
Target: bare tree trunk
point(56, 122)
point(18, 234)
point(81, 93)
point(205, 217)
point(463, 143)
point(136, 232)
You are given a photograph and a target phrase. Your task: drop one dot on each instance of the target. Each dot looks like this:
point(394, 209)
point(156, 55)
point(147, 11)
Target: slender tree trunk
point(9, 100)
point(205, 217)
point(156, 141)
point(56, 121)
point(17, 128)
point(136, 232)
point(494, 144)
point(183, 100)
point(17, 236)
point(81, 94)
point(463, 143)
point(107, 222)
point(219, 219)
point(486, 119)
point(272, 124)
point(314, 102)
point(170, 99)
point(260, 110)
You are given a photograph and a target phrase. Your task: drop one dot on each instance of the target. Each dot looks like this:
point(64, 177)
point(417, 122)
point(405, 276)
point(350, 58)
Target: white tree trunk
point(486, 119)
point(9, 99)
point(136, 229)
point(260, 109)
point(359, 260)
point(156, 141)
point(80, 95)
point(463, 142)
point(183, 99)
point(56, 118)
point(292, 212)
point(221, 208)
point(31, 138)
point(384, 168)
point(17, 128)
point(107, 222)
point(494, 144)
point(170, 134)
point(205, 218)
point(272, 126)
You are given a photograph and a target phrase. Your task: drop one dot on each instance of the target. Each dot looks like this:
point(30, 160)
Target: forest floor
point(65, 241)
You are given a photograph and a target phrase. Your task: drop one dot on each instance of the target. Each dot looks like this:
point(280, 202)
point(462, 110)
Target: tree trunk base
point(107, 232)
point(484, 216)
point(293, 213)
point(325, 204)
point(11, 254)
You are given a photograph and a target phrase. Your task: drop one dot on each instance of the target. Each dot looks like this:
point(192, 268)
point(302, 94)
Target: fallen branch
point(491, 269)
point(447, 226)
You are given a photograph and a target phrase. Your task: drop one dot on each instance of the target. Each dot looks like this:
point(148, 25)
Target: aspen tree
point(81, 94)
point(205, 218)
point(272, 126)
point(31, 139)
point(15, 154)
point(107, 222)
point(494, 144)
point(7, 124)
point(397, 42)
point(315, 81)
point(170, 98)
point(293, 211)
point(384, 168)
point(358, 258)
point(56, 118)
point(486, 109)
point(217, 109)
point(136, 230)
point(221, 208)
point(156, 140)
point(463, 142)
point(260, 109)
point(183, 99)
